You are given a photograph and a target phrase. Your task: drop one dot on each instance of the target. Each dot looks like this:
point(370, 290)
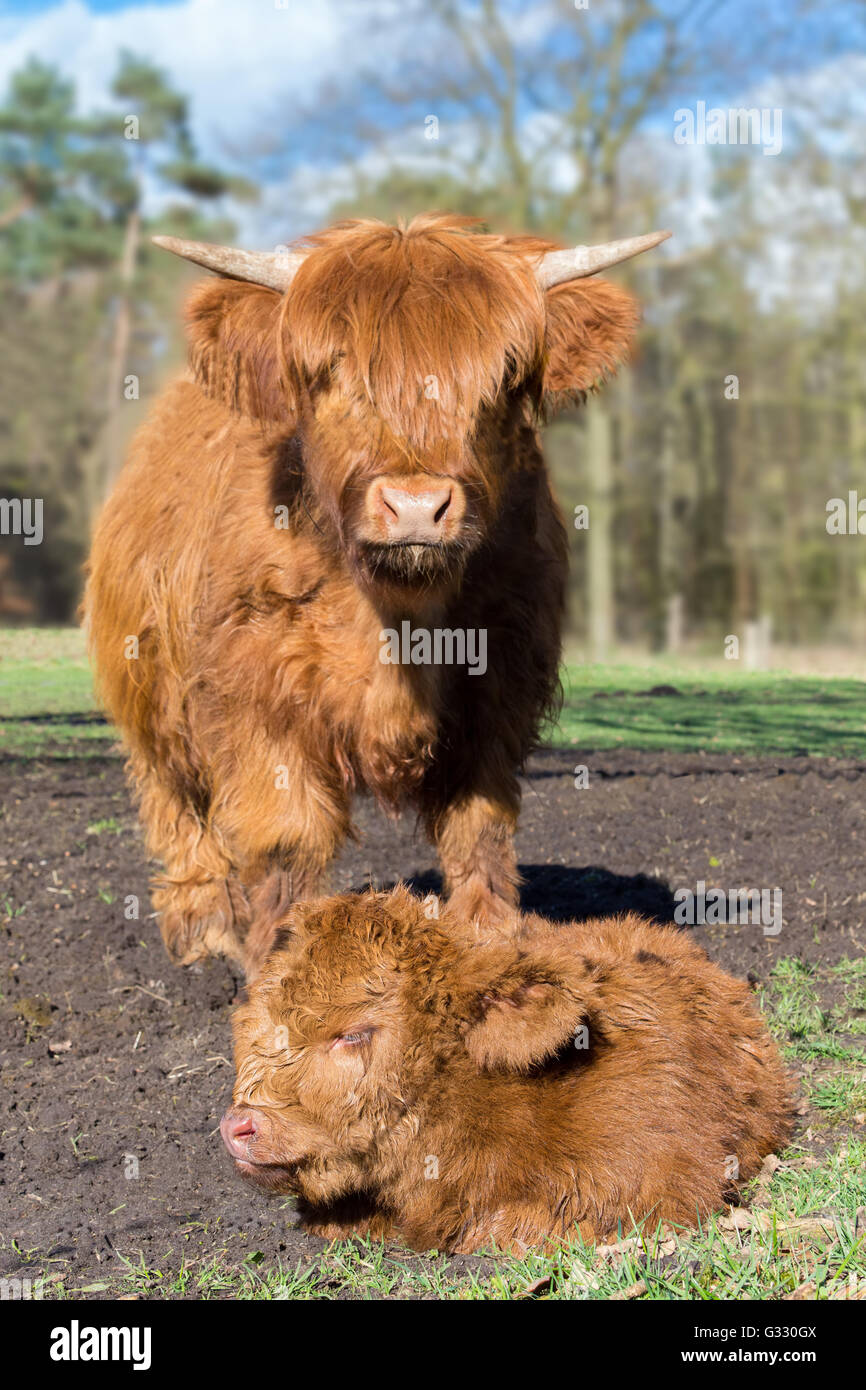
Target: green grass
point(720, 712)
point(46, 695)
point(794, 1007)
point(47, 703)
point(817, 1010)
point(44, 671)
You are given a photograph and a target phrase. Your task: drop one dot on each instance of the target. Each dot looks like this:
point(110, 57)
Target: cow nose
point(237, 1128)
point(417, 516)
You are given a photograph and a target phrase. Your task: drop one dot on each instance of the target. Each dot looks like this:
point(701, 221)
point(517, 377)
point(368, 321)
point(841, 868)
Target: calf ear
point(234, 337)
point(590, 325)
point(525, 1012)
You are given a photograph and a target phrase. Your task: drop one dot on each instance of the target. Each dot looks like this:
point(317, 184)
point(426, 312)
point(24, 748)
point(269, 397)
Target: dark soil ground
point(116, 1065)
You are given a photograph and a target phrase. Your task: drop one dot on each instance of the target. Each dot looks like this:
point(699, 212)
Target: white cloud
point(234, 60)
point(250, 68)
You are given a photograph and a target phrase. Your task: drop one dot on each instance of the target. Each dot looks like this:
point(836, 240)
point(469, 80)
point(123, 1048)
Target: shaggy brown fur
point(243, 570)
point(468, 1087)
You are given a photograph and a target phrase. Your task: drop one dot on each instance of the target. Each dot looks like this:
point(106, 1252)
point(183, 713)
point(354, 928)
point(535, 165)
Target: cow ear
point(590, 325)
point(525, 1012)
point(234, 339)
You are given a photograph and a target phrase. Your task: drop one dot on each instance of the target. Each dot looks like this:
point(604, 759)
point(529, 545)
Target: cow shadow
point(566, 894)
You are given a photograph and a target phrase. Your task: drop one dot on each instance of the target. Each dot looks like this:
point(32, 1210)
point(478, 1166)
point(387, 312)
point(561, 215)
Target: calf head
point(409, 364)
point(374, 1036)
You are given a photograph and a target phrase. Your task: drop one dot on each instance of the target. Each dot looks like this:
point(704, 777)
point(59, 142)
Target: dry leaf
point(633, 1291)
point(853, 1293)
point(738, 1220)
point(578, 1281)
point(806, 1290)
point(803, 1228)
point(541, 1285)
point(770, 1165)
point(622, 1247)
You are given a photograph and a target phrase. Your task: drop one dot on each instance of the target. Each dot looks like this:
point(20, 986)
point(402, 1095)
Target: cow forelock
point(427, 323)
point(416, 355)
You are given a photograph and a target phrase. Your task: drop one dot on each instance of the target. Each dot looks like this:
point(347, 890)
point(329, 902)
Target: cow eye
point(354, 1039)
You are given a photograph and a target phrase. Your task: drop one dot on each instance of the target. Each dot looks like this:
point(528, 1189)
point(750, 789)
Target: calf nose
point(237, 1128)
point(417, 515)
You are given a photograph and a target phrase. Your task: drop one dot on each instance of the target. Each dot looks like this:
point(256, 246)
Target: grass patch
point(44, 671)
point(47, 703)
point(794, 1006)
point(63, 738)
point(817, 1011)
point(849, 1016)
point(660, 709)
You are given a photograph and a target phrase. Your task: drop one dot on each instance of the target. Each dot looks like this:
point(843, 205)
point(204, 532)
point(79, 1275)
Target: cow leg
point(287, 817)
point(230, 876)
point(474, 835)
point(270, 897)
point(201, 905)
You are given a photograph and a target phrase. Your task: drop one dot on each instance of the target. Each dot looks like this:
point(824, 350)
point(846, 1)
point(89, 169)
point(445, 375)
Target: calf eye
point(356, 1039)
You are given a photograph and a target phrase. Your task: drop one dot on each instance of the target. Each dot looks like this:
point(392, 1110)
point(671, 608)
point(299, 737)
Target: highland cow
point(358, 450)
point(457, 1087)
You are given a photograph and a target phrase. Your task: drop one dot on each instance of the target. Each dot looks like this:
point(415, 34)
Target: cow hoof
point(484, 908)
point(199, 929)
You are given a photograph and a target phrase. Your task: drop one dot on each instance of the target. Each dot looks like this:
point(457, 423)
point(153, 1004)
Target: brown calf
point(463, 1090)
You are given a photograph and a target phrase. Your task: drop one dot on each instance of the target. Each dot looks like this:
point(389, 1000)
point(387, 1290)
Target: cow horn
point(558, 266)
point(275, 269)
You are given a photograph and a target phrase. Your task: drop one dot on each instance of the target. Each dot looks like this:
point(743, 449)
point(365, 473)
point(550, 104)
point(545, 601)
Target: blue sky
point(246, 65)
point(32, 7)
point(251, 69)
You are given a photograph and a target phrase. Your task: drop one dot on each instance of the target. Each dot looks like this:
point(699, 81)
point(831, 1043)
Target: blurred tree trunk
point(744, 598)
point(119, 351)
point(163, 130)
point(666, 532)
point(854, 590)
point(600, 587)
point(668, 582)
